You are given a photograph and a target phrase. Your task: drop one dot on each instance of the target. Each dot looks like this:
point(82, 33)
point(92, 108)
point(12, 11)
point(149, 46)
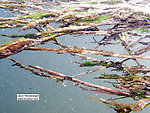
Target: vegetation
point(127, 26)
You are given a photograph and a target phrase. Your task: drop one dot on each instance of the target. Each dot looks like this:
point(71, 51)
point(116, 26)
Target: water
point(54, 97)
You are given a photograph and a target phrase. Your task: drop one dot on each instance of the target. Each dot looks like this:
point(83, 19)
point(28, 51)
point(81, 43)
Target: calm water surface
point(54, 97)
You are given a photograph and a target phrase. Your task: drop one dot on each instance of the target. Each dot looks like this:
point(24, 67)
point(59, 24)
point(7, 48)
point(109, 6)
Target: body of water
point(61, 97)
